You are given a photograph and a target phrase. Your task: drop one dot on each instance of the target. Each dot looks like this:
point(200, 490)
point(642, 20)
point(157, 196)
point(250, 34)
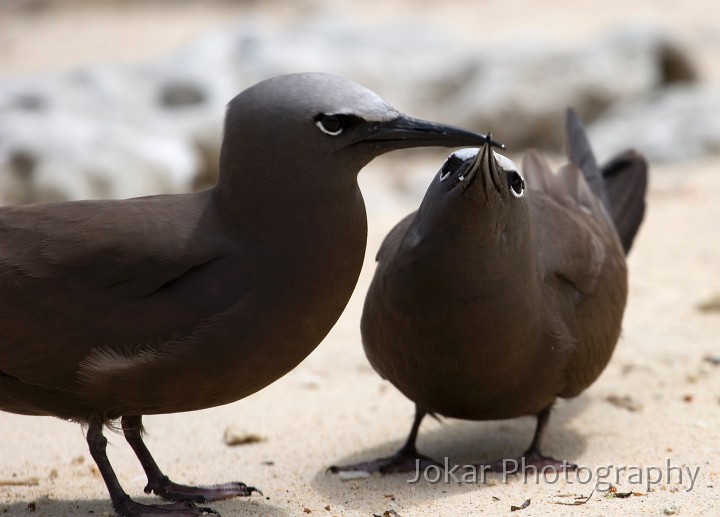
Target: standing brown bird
point(505, 290)
point(118, 309)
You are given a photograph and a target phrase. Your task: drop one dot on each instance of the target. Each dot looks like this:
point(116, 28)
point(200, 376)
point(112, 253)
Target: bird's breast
point(301, 284)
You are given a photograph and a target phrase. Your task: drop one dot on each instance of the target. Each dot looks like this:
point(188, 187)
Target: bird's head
point(321, 124)
point(480, 194)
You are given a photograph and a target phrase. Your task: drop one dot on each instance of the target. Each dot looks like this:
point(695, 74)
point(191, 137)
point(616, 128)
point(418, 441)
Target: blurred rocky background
point(112, 99)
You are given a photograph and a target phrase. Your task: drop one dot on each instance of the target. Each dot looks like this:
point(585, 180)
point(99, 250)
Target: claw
point(251, 489)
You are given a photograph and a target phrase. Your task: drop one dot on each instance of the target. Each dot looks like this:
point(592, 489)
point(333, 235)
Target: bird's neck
point(282, 183)
point(465, 266)
point(307, 227)
point(298, 227)
point(307, 256)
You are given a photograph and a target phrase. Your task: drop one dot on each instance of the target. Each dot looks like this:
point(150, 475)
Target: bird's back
point(587, 217)
point(91, 289)
point(581, 270)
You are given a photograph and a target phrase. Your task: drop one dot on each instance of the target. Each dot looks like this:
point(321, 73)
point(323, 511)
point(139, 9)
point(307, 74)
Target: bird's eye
point(331, 125)
point(516, 184)
point(451, 165)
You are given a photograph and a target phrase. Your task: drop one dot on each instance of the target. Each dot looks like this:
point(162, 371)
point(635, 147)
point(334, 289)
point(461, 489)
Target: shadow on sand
point(462, 443)
point(44, 507)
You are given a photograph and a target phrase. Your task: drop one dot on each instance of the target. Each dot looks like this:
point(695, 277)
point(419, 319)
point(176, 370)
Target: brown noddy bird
point(118, 309)
point(505, 290)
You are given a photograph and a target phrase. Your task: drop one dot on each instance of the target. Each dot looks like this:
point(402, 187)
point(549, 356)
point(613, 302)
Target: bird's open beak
point(405, 132)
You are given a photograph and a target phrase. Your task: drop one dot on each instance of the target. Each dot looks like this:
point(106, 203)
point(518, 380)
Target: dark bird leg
point(532, 457)
point(406, 459)
point(121, 502)
point(160, 484)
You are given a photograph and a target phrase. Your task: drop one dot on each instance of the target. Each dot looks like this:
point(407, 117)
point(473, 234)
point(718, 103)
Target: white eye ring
point(321, 127)
point(325, 130)
point(514, 192)
point(452, 163)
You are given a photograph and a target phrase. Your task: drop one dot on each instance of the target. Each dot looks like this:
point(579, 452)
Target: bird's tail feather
point(626, 178)
point(580, 153)
point(620, 184)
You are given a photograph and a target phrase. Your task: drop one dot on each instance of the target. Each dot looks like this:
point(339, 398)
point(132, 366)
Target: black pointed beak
point(405, 132)
point(485, 167)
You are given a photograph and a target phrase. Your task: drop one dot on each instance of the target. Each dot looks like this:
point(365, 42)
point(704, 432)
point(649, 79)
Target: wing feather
point(80, 277)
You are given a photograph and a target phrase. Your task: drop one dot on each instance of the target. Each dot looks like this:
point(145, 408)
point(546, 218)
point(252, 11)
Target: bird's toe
point(172, 491)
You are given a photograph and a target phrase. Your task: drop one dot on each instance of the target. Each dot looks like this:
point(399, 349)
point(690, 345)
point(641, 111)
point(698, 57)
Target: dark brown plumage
point(506, 289)
point(162, 304)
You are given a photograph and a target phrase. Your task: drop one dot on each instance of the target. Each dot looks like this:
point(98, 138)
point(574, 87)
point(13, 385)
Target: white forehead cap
point(465, 154)
point(506, 163)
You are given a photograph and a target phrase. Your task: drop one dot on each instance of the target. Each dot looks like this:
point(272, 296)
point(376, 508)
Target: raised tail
point(626, 178)
point(620, 184)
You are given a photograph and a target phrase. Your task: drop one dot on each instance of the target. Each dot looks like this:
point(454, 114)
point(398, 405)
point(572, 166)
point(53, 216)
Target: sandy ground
point(334, 409)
